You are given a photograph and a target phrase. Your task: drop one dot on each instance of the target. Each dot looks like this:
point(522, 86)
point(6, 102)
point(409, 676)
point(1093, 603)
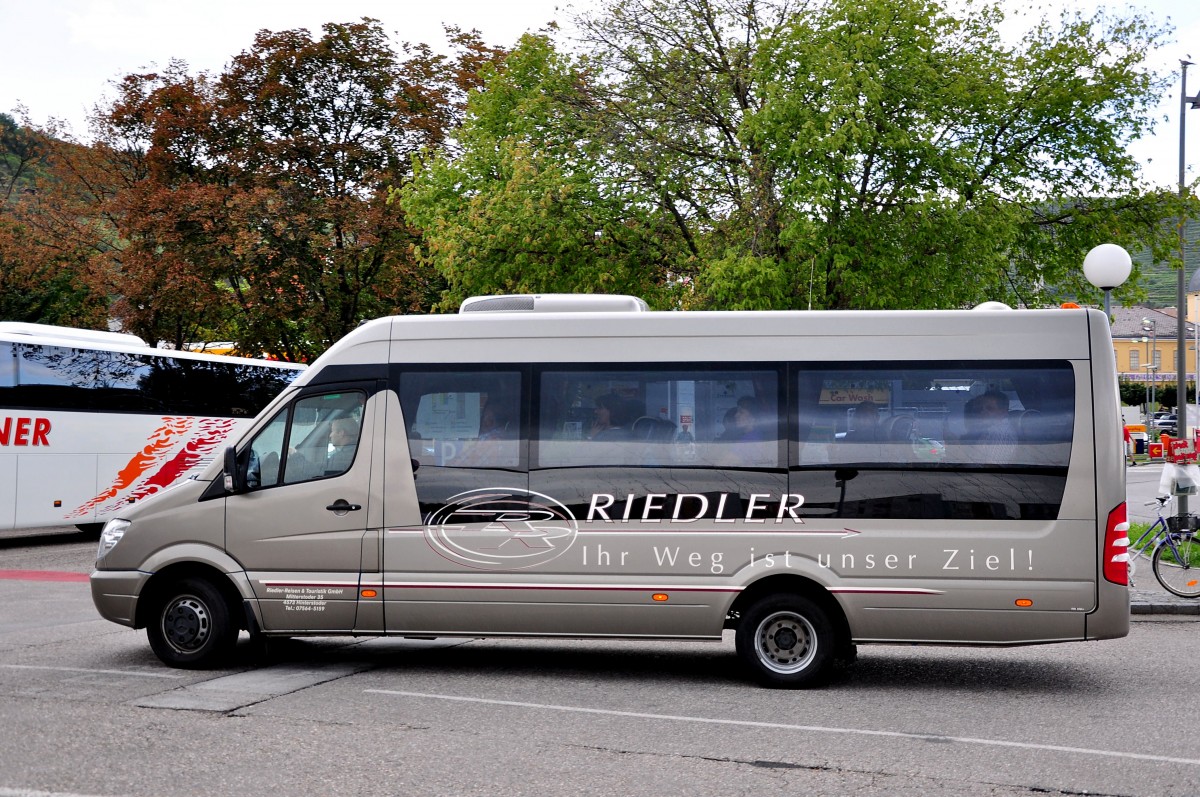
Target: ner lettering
point(25, 432)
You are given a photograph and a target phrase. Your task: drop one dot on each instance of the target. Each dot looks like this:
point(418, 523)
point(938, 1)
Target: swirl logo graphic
point(501, 528)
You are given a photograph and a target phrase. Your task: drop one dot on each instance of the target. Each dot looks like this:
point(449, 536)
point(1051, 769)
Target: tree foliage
point(252, 205)
point(840, 154)
point(749, 154)
point(925, 163)
point(534, 202)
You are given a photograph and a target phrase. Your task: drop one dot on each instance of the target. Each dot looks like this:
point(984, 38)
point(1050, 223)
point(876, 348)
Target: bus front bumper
point(115, 593)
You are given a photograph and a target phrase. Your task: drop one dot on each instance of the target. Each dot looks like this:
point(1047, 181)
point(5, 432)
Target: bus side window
point(633, 431)
point(464, 431)
point(930, 440)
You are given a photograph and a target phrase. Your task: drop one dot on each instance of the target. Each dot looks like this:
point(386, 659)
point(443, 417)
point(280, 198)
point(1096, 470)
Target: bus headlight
point(114, 530)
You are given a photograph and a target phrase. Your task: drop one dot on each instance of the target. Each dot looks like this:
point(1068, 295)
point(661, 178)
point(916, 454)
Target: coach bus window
point(464, 431)
point(53, 377)
point(68, 378)
point(639, 431)
point(925, 440)
point(120, 380)
point(8, 367)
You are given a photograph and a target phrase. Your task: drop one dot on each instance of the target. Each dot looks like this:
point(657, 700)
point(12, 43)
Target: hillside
point(21, 160)
point(1159, 279)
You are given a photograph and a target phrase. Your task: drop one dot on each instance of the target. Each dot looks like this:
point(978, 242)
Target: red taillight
point(1116, 547)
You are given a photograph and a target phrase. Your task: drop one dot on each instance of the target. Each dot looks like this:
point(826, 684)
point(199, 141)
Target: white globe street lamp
point(1107, 267)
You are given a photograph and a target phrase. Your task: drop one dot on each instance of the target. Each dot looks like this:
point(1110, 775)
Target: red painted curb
point(42, 575)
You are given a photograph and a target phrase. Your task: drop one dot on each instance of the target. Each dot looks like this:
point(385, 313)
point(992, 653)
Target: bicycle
point(1175, 553)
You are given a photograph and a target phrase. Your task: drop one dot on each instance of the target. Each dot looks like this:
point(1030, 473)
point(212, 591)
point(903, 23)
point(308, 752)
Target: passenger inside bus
point(746, 433)
point(866, 423)
point(496, 444)
point(989, 429)
point(613, 417)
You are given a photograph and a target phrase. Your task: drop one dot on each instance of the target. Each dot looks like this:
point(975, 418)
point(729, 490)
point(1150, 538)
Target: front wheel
point(1178, 568)
point(786, 641)
point(191, 626)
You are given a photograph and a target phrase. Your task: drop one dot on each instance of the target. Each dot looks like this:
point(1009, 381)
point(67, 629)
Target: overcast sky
point(58, 57)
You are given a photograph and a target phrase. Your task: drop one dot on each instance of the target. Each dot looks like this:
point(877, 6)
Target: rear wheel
point(1178, 568)
point(787, 641)
point(191, 625)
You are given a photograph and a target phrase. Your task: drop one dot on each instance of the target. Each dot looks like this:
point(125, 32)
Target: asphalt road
point(87, 710)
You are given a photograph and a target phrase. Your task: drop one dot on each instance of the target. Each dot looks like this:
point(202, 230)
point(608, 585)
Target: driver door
point(299, 528)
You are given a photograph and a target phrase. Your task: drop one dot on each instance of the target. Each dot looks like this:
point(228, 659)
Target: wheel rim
point(786, 642)
point(1177, 569)
point(186, 624)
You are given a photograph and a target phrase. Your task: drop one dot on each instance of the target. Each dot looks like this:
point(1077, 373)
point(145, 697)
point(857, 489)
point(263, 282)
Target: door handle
point(342, 506)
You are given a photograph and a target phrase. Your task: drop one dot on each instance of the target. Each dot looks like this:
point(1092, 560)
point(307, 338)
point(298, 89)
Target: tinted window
point(316, 437)
point(465, 431)
point(8, 368)
point(644, 436)
point(58, 377)
point(929, 440)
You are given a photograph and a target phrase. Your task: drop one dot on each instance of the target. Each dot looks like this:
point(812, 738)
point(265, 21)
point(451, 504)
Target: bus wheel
point(190, 626)
point(786, 641)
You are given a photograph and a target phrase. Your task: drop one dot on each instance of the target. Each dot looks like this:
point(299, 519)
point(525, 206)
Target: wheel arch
point(162, 580)
point(791, 584)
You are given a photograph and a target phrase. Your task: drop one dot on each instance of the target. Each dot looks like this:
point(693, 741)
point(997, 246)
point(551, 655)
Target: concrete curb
point(1164, 607)
point(1156, 600)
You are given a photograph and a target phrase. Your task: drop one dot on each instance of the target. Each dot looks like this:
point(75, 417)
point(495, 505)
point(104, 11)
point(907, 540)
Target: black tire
point(787, 642)
point(191, 626)
point(1180, 578)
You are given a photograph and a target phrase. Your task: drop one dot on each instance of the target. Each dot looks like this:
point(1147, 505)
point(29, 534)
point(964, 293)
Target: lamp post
point(1107, 266)
point(1147, 365)
point(1151, 325)
point(1181, 414)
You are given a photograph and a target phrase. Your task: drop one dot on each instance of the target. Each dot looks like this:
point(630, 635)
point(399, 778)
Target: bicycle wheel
point(1176, 565)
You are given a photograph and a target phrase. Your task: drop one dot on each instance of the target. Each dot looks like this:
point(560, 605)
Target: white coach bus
point(558, 466)
point(92, 421)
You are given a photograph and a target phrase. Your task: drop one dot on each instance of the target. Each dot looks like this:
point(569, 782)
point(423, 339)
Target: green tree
point(881, 154)
point(680, 85)
point(533, 201)
point(925, 163)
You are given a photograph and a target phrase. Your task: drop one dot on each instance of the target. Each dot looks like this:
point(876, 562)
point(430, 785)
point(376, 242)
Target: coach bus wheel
point(787, 641)
point(190, 626)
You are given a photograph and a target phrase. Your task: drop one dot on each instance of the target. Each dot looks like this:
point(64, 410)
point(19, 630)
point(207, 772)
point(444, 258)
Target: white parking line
point(138, 673)
point(32, 793)
point(930, 737)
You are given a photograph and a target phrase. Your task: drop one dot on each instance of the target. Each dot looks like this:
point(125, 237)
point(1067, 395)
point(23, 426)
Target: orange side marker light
point(1024, 602)
point(661, 597)
point(369, 593)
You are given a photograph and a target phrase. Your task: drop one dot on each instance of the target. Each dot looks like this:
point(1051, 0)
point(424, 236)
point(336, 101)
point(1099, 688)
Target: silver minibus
point(579, 467)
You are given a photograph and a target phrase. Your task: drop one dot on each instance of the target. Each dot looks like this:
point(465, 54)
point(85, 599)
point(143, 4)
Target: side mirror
point(234, 483)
